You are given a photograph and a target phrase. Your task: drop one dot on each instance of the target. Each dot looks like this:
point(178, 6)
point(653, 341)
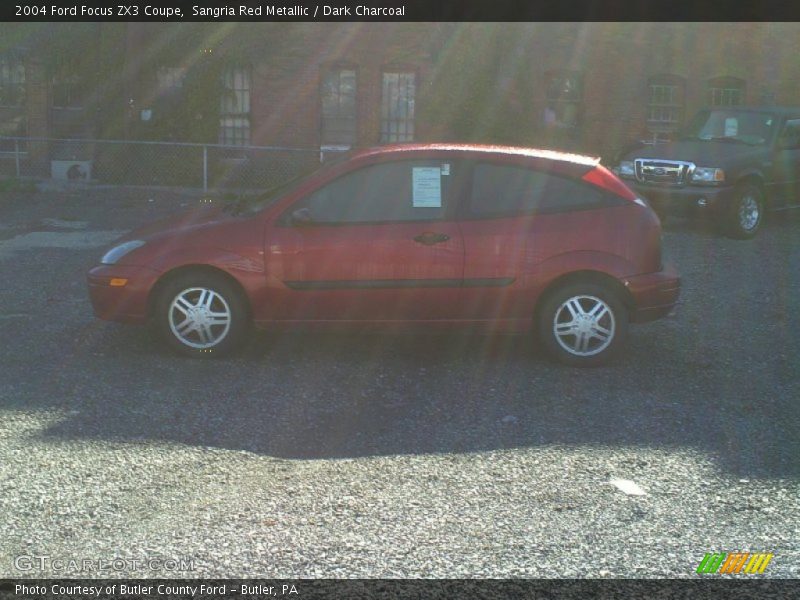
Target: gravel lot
point(393, 456)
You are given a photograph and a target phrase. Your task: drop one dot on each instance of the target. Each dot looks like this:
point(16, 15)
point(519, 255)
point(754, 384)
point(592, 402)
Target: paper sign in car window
point(427, 187)
point(731, 127)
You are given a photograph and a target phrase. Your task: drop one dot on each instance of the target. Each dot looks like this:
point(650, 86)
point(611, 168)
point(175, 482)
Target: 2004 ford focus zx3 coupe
point(509, 240)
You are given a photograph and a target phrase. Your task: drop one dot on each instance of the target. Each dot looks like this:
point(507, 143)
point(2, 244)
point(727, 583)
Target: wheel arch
point(585, 276)
point(757, 179)
point(176, 272)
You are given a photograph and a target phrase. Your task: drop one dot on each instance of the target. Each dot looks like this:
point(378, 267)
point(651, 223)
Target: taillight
point(602, 177)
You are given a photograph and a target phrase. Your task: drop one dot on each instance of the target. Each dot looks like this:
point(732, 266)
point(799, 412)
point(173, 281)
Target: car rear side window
point(389, 192)
point(501, 190)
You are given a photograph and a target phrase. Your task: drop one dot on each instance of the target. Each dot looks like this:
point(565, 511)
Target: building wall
point(475, 81)
point(618, 59)
point(285, 102)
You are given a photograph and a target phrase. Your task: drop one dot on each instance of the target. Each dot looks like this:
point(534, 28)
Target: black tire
point(215, 311)
point(745, 214)
point(582, 341)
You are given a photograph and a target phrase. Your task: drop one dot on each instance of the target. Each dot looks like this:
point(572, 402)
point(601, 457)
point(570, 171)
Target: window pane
point(790, 138)
point(665, 109)
point(12, 83)
point(234, 125)
point(338, 98)
point(502, 190)
point(397, 107)
point(170, 78)
point(401, 191)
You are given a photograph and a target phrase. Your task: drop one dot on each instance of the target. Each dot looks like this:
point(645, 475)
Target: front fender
point(235, 264)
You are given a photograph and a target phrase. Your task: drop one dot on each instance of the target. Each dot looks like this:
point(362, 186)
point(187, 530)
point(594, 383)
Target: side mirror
point(301, 218)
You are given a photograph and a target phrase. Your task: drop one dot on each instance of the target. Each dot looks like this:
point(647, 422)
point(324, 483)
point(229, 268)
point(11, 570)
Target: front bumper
point(654, 295)
point(126, 303)
point(687, 201)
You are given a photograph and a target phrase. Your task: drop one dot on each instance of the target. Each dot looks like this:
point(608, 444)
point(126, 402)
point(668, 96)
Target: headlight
point(626, 169)
point(112, 256)
point(708, 175)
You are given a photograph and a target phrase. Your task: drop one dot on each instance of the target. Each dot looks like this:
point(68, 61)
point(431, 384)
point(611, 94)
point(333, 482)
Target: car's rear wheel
point(202, 314)
point(582, 324)
point(746, 213)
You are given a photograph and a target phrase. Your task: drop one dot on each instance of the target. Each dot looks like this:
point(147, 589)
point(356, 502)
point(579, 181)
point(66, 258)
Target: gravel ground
point(393, 456)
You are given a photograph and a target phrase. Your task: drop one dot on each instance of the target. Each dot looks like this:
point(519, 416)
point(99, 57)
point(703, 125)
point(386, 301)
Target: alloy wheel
point(199, 317)
point(584, 325)
point(749, 213)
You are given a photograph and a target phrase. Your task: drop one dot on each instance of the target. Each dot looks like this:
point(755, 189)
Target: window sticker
point(731, 127)
point(427, 187)
point(445, 168)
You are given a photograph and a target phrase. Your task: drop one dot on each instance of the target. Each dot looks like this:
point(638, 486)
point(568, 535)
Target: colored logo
point(735, 562)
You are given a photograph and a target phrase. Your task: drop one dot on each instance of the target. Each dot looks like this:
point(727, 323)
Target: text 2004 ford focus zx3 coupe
point(511, 240)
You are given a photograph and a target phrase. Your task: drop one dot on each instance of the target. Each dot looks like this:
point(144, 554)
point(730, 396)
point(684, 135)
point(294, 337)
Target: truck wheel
point(746, 213)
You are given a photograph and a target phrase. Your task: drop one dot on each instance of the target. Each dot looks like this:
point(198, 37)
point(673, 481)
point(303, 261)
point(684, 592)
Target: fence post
point(16, 156)
point(205, 169)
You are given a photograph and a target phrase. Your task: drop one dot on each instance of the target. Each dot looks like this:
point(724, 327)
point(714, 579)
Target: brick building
point(591, 87)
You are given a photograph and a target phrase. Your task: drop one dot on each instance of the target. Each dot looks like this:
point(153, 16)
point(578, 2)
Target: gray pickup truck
point(731, 163)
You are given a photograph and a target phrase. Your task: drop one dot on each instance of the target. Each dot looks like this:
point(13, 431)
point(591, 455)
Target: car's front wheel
point(202, 314)
point(746, 213)
point(582, 324)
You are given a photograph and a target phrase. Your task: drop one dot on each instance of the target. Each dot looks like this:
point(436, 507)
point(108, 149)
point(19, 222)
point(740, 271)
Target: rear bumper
point(126, 303)
point(688, 201)
point(654, 295)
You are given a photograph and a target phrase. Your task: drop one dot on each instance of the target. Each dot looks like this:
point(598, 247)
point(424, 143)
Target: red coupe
point(511, 240)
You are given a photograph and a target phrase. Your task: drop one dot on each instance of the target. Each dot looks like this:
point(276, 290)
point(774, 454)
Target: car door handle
point(429, 238)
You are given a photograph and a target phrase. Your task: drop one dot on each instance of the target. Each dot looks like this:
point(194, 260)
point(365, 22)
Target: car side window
point(790, 137)
point(500, 190)
point(388, 192)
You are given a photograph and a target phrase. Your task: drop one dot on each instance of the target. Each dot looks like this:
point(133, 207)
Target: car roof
point(478, 149)
point(775, 110)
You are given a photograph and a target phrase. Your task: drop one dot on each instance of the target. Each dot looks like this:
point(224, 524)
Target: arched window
point(726, 91)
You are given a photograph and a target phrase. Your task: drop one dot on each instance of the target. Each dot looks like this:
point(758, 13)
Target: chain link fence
point(115, 162)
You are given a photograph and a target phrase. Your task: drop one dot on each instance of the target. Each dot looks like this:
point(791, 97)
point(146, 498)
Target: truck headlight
point(626, 169)
point(112, 256)
point(708, 175)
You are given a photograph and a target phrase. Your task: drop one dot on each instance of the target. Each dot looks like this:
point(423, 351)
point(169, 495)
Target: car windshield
point(731, 125)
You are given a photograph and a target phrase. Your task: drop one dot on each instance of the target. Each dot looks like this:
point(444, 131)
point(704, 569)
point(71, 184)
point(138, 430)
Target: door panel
point(375, 244)
point(365, 272)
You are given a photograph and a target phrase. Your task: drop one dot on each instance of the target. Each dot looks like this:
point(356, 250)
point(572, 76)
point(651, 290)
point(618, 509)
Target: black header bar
point(396, 10)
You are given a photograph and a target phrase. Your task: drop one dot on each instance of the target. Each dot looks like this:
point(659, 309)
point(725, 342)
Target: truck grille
point(665, 172)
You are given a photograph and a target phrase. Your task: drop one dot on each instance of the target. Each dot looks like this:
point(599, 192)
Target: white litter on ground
point(63, 224)
point(628, 486)
point(57, 239)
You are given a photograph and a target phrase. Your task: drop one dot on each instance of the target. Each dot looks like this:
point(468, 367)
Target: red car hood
point(184, 220)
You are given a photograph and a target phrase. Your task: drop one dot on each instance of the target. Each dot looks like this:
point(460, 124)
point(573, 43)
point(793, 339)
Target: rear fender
point(572, 265)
